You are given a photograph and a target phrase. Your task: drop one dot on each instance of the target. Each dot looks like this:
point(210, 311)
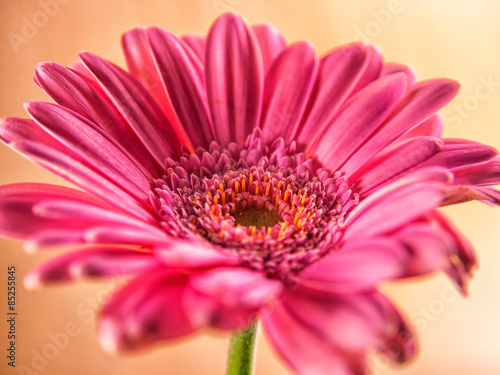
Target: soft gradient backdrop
point(456, 39)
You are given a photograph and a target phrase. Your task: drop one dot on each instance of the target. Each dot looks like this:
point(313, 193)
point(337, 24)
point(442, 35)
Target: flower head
point(238, 177)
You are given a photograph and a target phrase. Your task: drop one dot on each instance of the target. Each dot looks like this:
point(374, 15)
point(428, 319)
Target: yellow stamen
point(304, 197)
point(237, 187)
point(244, 184)
point(268, 189)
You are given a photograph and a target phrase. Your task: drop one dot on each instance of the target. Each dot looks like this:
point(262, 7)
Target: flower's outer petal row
point(358, 265)
point(234, 79)
point(358, 119)
point(197, 44)
point(94, 262)
point(462, 194)
point(432, 127)
point(394, 68)
point(353, 323)
point(191, 254)
point(271, 43)
point(230, 298)
point(420, 102)
point(65, 163)
point(392, 162)
point(303, 350)
point(397, 204)
point(286, 91)
point(182, 77)
point(433, 244)
point(105, 155)
point(140, 63)
point(338, 73)
point(82, 95)
point(137, 107)
point(149, 309)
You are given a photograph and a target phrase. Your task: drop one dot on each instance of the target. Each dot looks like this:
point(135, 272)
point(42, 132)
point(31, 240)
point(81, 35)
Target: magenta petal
point(421, 101)
point(338, 73)
point(73, 91)
point(286, 90)
point(462, 194)
point(81, 175)
point(137, 107)
point(372, 68)
point(234, 78)
point(352, 322)
point(358, 120)
point(483, 174)
point(393, 68)
point(140, 63)
point(14, 129)
point(94, 262)
point(393, 161)
point(432, 127)
point(197, 44)
point(182, 77)
point(271, 43)
point(398, 203)
point(92, 145)
point(304, 351)
point(118, 234)
point(231, 296)
point(359, 265)
point(184, 254)
point(149, 309)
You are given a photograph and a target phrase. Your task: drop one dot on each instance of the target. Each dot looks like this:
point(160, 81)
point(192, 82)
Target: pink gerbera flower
point(242, 178)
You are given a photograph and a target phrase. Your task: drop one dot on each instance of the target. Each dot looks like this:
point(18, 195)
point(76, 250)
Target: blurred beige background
point(457, 39)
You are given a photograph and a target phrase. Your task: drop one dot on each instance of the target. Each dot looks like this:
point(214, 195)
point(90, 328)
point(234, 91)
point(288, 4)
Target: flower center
point(265, 203)
point(257, 218)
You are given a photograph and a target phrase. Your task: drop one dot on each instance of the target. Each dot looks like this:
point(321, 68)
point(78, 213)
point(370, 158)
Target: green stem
point(241, 350)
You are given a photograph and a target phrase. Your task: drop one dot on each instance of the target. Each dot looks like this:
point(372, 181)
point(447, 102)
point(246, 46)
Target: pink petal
point(182, 77)
point(140, 63)
point(118, 234)
point(286, 90)
point(432, 127)
point(396, 204)
point(94, 262)
point(372, 68)
point(231, 297)
point(271, 43)
point(358, 119)
point(462, 194)
point(421, 101)
point(338, 73)
point(184, 254)
point(234, 79)
point(358, 265)
point(483, 174)
point(73, 170)
point(459, 153)
point(394, 68)
point(108, 158)
point(304, 351)
point(393, 161)
point(352, 322)
point(197, 45)
point(137, 107)
point(75, 92)
point(14, 129)
point(147, 310)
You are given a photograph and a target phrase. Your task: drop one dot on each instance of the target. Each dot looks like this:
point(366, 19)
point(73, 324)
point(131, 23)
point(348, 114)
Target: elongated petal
point(271, 43)
point(149, 309)
point(94, 262)
point(141, 65)
point(421, 101)
point(75, 171)
point(234, 79)
point(398, 203)
point(395, 160)
point(359, 265)
point(231, 297)
point(197, 44)
point(338, 73)
point(303, 350)
point(359, 118)
point(287, 88)
point(93, 146)
point(137, 106)
point(184, 254)
point(182, 77)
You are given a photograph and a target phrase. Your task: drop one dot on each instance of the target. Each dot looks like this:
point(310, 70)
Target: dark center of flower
point(265, 203)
